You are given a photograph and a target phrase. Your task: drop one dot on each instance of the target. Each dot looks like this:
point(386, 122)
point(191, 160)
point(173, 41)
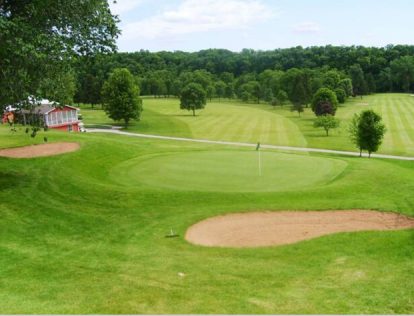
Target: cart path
point(218, 142)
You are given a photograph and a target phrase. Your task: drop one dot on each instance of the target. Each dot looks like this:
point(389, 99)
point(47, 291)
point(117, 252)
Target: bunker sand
point(262, 229)
point(40, 150)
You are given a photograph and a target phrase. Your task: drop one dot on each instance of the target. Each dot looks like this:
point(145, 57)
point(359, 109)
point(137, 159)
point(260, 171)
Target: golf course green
point(228, 171)
point(84, 232)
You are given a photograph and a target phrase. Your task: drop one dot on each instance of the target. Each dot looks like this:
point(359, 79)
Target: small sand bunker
point(280, 228)
point(362, 103)
point(39, 150)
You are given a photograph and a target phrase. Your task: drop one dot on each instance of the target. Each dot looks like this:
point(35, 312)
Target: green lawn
point(228, 171)
point(84, 232)
point(236, 121)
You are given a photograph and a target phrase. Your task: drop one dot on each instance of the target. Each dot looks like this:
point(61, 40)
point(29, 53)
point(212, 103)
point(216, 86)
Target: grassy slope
point(73, 240)
point(236, 121)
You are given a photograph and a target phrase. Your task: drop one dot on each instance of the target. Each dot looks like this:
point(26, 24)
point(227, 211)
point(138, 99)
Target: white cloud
point(197, 16)
point(122, 6)
point(307, 27)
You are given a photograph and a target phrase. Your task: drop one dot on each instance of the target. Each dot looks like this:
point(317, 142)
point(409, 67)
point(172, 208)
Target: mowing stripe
point(405, 138)
point(388, 141)
point(396, 138)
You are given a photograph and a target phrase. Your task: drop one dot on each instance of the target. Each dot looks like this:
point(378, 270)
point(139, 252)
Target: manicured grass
point(241, 122)
point(78, 235)
point(228, 171)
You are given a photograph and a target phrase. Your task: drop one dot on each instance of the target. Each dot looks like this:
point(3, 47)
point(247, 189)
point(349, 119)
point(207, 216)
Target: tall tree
point(297, 107)
point(367, 131)
point(40, 39)
point(220, 87)
point(346, 85)
point(282, 97)
point(210, 92)
point(193, 97)
point(229, 91)
point(121, 96)
point(371, 131)
point(403, 72)
point(358, 79)
point(257, 91)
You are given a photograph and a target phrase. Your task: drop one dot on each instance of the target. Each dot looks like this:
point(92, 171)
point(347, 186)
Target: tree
point(227, 77)
point(246, 96)
point(220, 86)
point(340, 95)
point(367, 131)
point(358, 79)
point(121, 96)
point(282, 97)
point(229, 91)
point(371, 131)
point(268, 95)
point(326, 121)
point(193, 97)
point(323, 108)
point(370, 85)
point(41, 39)
point(177, 87)
point(210, 92)
point(61, 89)
point(297, 107)
point(332, 80)
point(346, 85)
point(256, 89)
point(275, 102)
point(403, 72)
point(298, 93)
point(327, 95)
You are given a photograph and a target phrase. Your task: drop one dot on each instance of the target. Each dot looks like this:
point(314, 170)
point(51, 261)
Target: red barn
point(64, 118)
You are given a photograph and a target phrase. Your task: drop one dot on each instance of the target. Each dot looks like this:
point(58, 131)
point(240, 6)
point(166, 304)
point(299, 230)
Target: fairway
point(228, 171)
point(241, 122)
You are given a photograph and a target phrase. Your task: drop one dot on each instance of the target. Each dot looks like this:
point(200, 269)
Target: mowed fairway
point(84, 232)
point(241, 122)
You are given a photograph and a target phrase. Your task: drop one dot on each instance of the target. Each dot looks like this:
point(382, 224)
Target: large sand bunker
point(39, 150)
point(286, 227)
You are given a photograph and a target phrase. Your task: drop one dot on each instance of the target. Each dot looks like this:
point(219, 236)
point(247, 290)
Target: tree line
point(222, 72)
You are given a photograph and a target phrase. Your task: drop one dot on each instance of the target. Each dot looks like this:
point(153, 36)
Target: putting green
point(229, 171)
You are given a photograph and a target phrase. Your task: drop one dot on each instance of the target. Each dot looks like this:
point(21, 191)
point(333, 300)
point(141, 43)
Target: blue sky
point(192, 25)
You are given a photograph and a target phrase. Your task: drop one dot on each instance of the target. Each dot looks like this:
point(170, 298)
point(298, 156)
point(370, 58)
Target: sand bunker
point(362, 104)
point(280, 228)
point(39, 150)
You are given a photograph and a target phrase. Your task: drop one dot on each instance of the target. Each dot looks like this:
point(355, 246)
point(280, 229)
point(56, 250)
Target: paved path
point(217, 142)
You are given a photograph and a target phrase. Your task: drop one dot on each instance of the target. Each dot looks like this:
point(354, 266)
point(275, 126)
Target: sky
point(193, 25)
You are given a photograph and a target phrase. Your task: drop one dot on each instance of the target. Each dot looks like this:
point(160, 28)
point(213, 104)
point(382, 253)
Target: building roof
point(42, 109)
point(45, 109)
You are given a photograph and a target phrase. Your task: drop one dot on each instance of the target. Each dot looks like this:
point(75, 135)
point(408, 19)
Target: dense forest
point(256, 75)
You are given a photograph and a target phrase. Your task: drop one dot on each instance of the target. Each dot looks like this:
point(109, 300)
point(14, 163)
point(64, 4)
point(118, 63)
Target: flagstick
point(260, 163)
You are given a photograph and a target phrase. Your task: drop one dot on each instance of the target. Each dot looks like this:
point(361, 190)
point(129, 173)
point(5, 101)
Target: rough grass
point(75, 240)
